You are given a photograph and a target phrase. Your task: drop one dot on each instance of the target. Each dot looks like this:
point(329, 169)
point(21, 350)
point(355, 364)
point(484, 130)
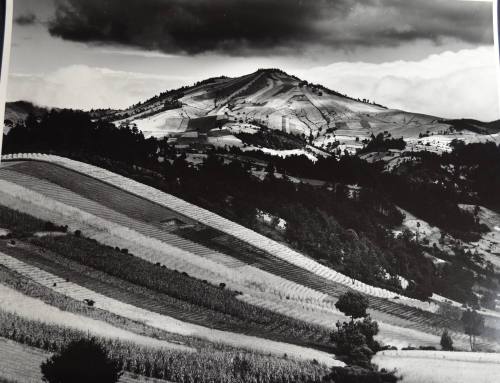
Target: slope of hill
point(199, 280)
point(272, 99)
point(225, 111)
point(299, 278)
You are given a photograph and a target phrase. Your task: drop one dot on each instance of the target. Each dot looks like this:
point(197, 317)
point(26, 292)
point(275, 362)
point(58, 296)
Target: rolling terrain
point(161, 232)
point(221, 108)
point(226, 112)
point(153, 250)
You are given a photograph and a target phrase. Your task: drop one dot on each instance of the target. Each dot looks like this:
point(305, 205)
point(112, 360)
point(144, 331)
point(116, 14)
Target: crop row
point(63, 302)
point(203, 366)
point(138, 304)
point(215, 306)
point(148, 242)
point(174, 284)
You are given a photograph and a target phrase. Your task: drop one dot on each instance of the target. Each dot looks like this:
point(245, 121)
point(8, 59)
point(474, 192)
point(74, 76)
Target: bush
point(81, 361)
point(446, 341)
point(352, 304)
point(359, 375)
point(352, 344)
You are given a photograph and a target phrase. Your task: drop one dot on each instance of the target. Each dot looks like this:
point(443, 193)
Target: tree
point(353, 304)
point(355, 340)
point(351, 344)
point(446, 341)
point(473, 326)
point(81, 361)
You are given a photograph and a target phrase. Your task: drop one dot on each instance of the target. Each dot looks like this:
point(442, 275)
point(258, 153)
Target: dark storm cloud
point(25, 19)
point(269, 26)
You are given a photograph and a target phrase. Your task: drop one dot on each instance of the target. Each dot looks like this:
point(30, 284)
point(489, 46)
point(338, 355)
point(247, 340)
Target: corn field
point(207, 365)
point(220, 303)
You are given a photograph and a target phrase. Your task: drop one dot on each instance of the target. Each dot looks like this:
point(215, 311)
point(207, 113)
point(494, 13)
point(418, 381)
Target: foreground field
point(268, 274)
point(158, 263)
point(441, 367)
point(21, 364)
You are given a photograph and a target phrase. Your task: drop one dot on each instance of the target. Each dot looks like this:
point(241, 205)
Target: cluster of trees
point(73, 133)
point(381, 143)
point(473, 324)
point(477, 171)
point(355, 340)
point(273, 139)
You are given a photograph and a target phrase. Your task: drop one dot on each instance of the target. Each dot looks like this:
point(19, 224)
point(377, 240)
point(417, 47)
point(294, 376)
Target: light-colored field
point(163, 322)
point(14, 302)
point(441, 367)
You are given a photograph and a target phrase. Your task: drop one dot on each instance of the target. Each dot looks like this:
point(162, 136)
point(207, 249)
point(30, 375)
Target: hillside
point(201, 286)
point(229, 112)
point(216, 110)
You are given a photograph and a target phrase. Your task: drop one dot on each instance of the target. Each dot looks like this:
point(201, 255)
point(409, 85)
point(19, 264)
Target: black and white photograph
point(250, 191)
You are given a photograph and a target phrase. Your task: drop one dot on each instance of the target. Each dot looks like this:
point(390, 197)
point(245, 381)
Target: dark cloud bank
point(243, 27)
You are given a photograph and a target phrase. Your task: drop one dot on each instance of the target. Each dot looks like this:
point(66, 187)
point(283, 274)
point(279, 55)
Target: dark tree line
point(73, 132)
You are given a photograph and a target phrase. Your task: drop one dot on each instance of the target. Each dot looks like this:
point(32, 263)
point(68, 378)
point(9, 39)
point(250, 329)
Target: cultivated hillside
point(225, 111)
point(273, 99)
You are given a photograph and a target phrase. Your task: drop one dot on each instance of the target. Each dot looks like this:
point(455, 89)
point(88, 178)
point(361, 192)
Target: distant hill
point(274, 100)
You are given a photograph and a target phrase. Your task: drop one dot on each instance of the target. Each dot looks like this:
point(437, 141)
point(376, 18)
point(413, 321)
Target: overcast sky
point(429, 56)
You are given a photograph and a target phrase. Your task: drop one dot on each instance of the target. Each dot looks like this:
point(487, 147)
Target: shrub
point(352, 304)
point(81, 361)
point(89, 302)
point(359, 375)
point(446, 341)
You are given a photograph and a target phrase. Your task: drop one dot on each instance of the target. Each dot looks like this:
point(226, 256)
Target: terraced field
point(83, 283)
point(216, 239)
point(207, 218)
